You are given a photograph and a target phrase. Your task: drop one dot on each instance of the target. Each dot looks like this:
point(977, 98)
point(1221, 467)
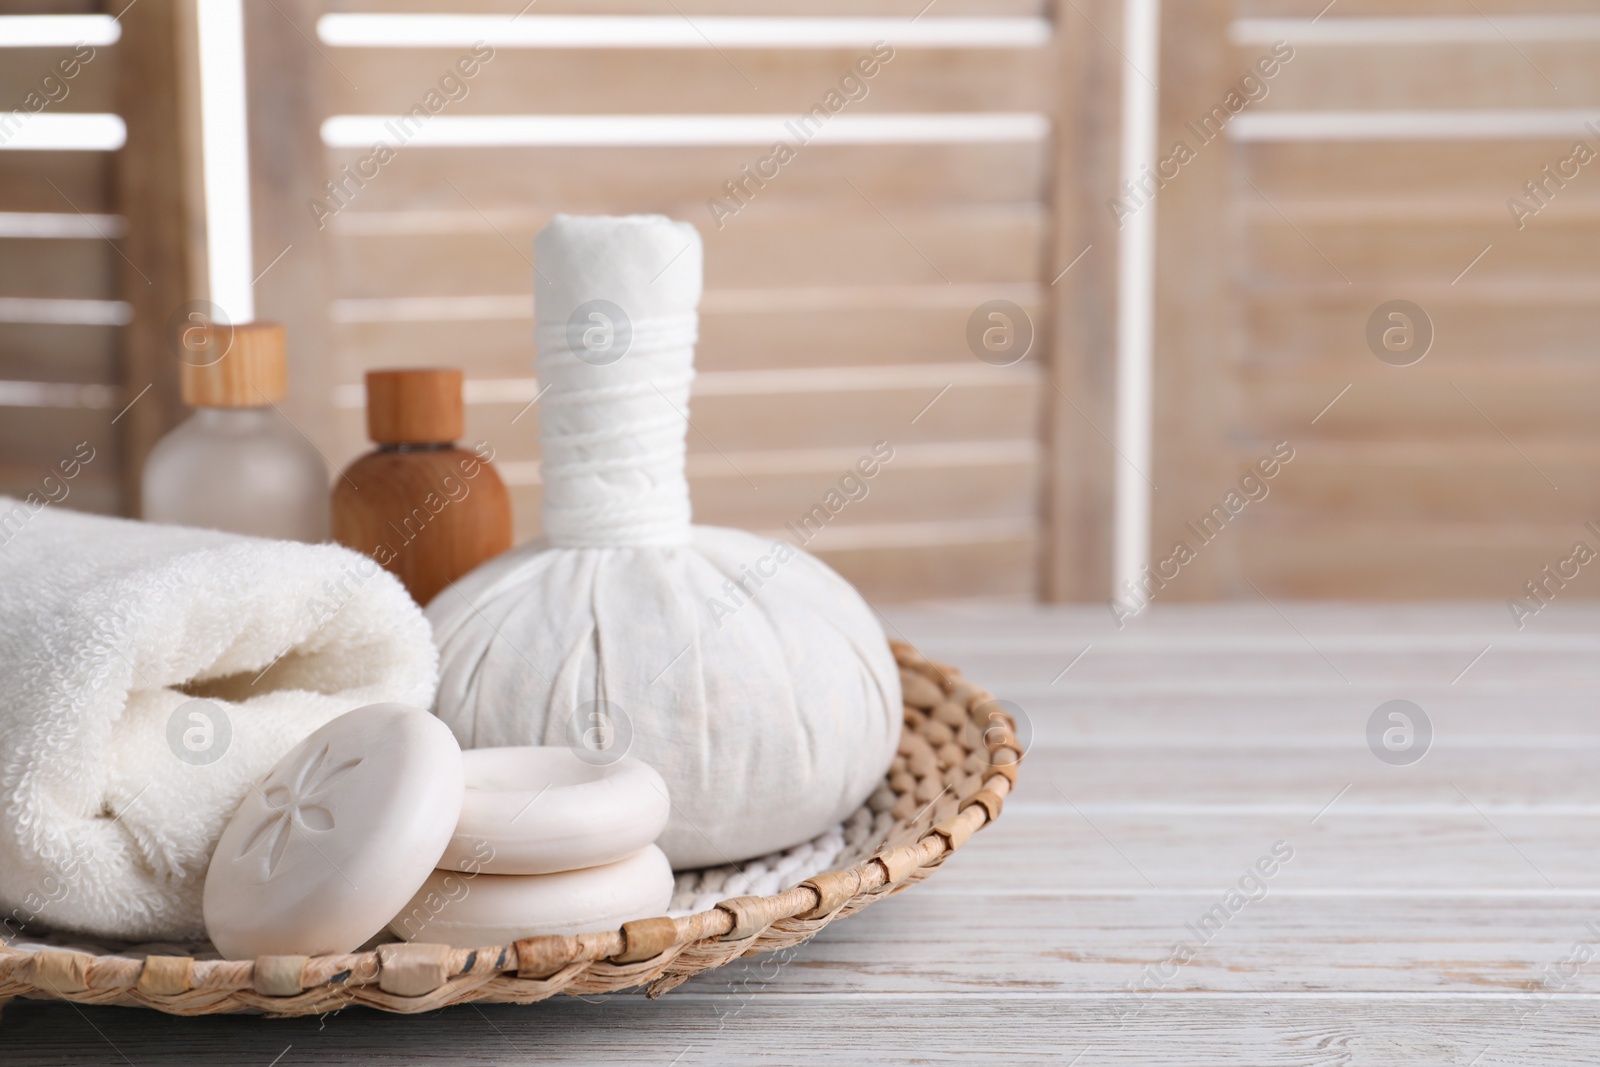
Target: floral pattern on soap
point(293, 807)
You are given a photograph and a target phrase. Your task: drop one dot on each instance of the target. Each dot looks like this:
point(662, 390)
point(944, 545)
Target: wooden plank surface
point(1427, 914)
point(1217, 1030)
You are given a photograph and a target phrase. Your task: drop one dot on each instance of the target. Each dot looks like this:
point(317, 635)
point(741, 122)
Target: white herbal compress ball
point(749, 674)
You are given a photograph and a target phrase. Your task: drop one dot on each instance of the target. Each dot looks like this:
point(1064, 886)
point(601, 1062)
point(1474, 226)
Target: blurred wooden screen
point(1379, 166)
point(1380, 163)
point(838, 289)
point(60, 278)
point(98, 238)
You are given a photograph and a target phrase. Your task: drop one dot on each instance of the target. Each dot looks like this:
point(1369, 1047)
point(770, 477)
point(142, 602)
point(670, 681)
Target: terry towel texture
point(108, 812)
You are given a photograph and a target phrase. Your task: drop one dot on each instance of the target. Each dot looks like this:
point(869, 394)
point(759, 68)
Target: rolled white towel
point(108, 816)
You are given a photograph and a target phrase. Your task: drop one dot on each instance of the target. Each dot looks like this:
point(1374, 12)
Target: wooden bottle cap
point(414, 407)
point(240, 366)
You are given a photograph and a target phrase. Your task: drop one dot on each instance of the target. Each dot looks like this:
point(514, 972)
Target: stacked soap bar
point(505, 843)
point(550, 841)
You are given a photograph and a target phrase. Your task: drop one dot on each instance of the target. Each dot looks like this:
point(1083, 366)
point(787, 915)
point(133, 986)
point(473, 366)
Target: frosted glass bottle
point(236, 464)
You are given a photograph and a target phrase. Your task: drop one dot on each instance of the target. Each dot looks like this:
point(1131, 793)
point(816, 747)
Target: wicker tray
point(958, 759)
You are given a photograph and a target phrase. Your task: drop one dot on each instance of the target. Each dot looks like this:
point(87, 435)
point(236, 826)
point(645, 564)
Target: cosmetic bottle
point(237, 464)
point(424, 509)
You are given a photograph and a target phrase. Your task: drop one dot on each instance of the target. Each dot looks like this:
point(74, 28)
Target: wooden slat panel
point(792, 279)
point(158, 193)
point(1408, 75)
point(96, 491)
point(1396, 252)
point(54, 7)
point(999, 567)
point(84, 269)
point(58, 353)
point(1402, 488)
point(92, 88)
point(1355, 172)
point(1551, 413)
point(819, 336)
point(769, 422)
point(55, 181)
point(879, 8)
point(1299, 9)
point(928, 495)
point(1193, 394)
point(897, 544)
point(692, 81)
point(721, 497)
point(678, 181)
point(1327, 337)
point(34, 440)
point(1077, 557)
point(1484, 483)
point(767, 251)
point(974, 413)
point(286, 161)
point(1349, 559)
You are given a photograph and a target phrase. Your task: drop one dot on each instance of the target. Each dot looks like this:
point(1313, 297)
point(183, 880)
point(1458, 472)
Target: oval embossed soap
point(543, 810)
point(471, 911)
point(324, 850)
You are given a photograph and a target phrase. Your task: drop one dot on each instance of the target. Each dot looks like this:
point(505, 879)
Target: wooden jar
point(424, 509)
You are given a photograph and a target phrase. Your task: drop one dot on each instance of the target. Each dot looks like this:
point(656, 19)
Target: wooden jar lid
point(414, 407)
point(240, 366)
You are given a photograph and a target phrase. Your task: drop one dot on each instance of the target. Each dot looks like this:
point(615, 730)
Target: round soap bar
point(342, 832)
point(474, 910)
point(543, 809)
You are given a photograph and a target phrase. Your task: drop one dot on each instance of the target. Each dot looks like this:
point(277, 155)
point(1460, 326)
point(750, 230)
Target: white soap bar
point(342, 832)
point(473, 911)
point(543, 809)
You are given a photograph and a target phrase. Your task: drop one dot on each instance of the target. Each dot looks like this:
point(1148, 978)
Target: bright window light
point(1136, 284)
point(624, 31)
point(56, 311)
point(1470, 29)
point(48, 224)
point(66, 132)
point(224, 131)
point(363, 131)
point(57, 31)
point(57, 395)
point(1528, 124)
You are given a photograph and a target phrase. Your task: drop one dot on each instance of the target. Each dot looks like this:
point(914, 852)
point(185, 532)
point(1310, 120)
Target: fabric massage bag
point(749, 674)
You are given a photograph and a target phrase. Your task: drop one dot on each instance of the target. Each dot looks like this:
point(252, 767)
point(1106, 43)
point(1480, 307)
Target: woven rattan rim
point(957, 761)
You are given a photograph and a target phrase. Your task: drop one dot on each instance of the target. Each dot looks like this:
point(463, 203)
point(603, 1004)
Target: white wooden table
point(1441, 912)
